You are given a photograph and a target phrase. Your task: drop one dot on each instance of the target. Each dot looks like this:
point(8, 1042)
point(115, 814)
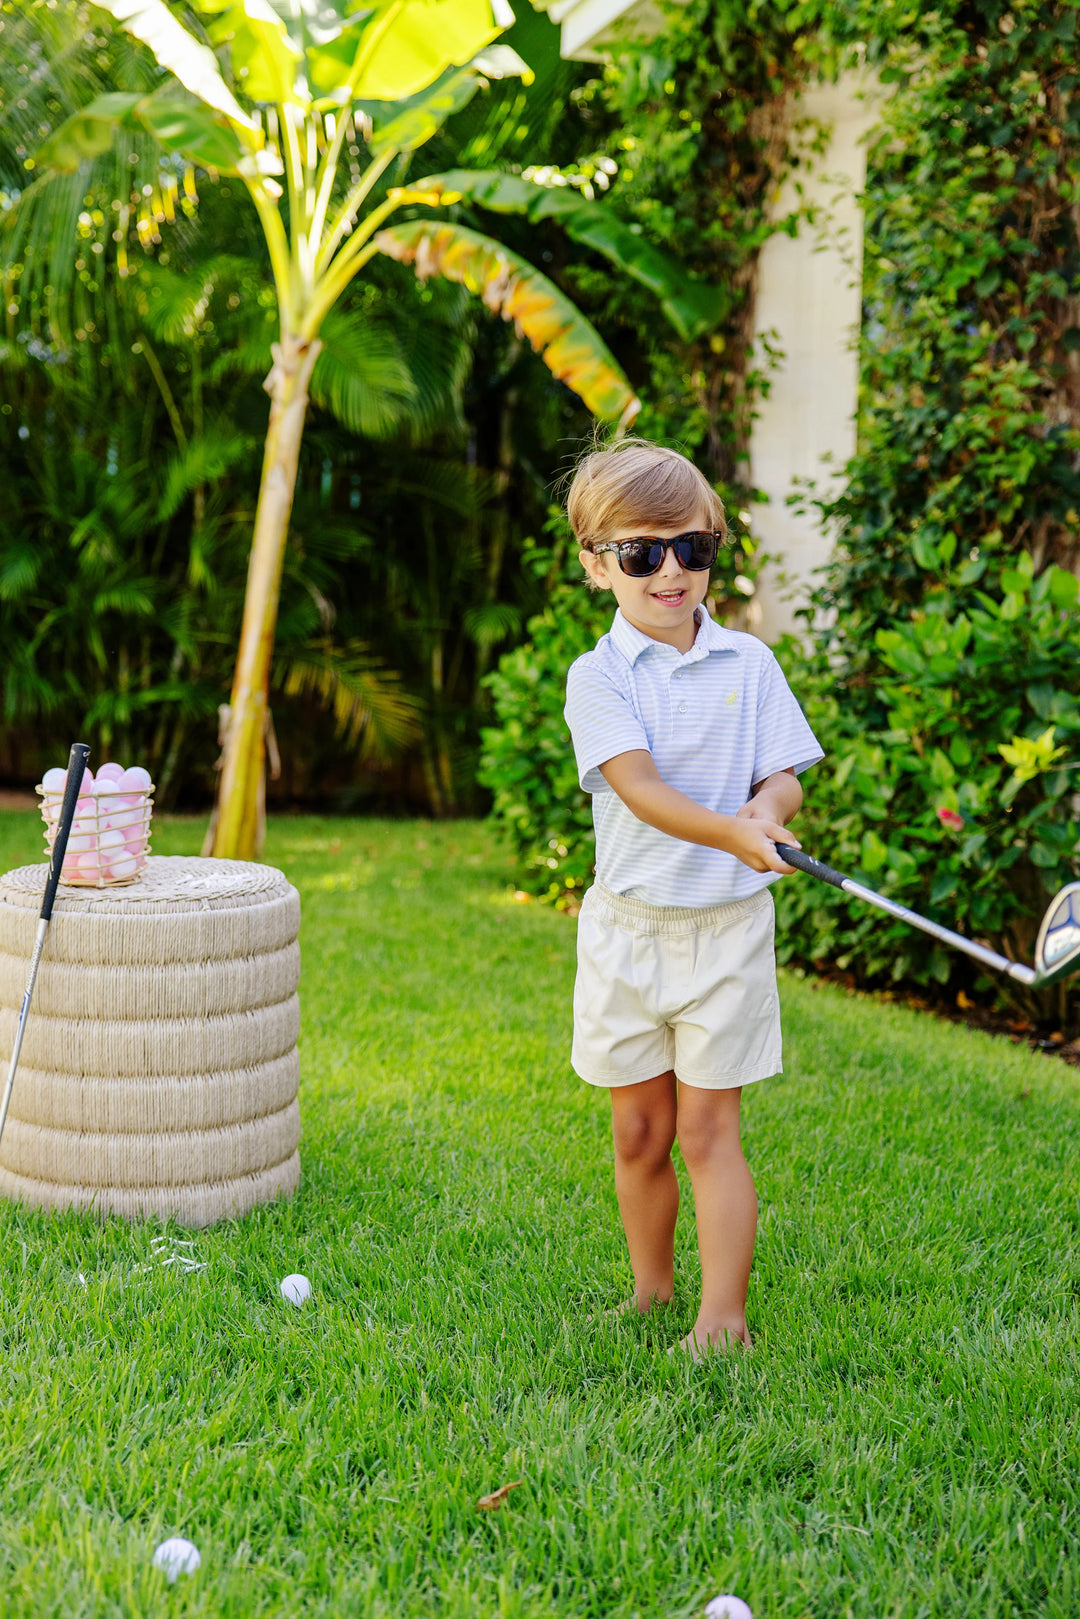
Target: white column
point(808, 303)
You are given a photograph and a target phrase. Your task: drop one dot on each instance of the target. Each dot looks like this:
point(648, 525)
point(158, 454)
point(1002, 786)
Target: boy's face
point(663, 604)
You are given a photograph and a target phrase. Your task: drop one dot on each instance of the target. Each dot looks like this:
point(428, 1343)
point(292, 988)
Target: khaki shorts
point(690, 988)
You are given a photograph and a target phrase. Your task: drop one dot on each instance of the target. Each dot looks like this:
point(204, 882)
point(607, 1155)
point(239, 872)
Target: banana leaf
point(192, 62)
point(406, 125)
point(509, 286)
point(182, 124)
point(690, 306)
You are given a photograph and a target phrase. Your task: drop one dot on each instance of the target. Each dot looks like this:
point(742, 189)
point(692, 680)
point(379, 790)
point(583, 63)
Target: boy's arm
point(778, 798)
point(751, 839)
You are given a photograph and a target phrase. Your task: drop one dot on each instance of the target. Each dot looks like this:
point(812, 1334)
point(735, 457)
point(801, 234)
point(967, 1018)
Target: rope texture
point(159, 1068)
point(187, 1205)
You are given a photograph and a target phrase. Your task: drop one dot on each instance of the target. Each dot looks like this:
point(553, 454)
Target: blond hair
point(635, 484)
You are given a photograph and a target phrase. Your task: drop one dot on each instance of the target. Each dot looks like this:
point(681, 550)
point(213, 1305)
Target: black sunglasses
point(695, 551)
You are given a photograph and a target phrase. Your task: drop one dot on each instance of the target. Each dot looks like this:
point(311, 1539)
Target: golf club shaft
point(77, 759)
point(978, 952)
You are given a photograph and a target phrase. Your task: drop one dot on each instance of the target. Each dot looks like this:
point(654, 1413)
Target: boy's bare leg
point(726, 1207)
point(643, 1125)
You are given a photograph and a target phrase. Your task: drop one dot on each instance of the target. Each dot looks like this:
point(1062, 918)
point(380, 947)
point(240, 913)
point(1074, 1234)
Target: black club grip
point(806, 862)
point(77, 762)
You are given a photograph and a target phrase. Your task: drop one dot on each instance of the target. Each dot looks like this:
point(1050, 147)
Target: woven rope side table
point(159, 1069)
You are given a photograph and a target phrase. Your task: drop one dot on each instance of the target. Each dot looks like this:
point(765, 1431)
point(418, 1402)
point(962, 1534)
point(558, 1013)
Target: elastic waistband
point(636, 915)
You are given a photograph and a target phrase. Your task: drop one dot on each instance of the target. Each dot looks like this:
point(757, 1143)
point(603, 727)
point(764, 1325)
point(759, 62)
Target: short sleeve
point(784, 739)
point(602, 722)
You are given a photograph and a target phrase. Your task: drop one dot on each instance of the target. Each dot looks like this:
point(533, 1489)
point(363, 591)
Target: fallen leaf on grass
point(492, 1502)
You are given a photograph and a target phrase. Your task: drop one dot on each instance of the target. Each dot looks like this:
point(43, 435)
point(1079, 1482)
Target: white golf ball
point(728, 1607)
point(135, 779)
point(175, 1557)
point(54, 780)
point(296, 1288)
point(126, 866)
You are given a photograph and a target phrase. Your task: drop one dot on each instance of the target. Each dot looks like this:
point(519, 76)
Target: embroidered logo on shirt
point(730, 701)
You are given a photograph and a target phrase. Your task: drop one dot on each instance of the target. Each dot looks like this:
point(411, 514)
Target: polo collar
point(711, 637)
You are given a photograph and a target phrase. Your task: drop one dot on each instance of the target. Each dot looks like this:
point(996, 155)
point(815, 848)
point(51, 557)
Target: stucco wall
point(809, 302)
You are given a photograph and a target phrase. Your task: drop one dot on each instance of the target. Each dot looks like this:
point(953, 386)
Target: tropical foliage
point(382, 82)
point(315, 247)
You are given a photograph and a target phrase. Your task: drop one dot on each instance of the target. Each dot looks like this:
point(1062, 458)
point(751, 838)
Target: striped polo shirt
point(716, 720)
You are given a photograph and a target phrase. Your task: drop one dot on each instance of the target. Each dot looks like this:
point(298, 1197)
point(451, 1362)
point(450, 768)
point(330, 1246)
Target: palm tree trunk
point(236, 824)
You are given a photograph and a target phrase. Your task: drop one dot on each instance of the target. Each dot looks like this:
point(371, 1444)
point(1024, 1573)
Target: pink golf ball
point(110, 772)
point(136, 779)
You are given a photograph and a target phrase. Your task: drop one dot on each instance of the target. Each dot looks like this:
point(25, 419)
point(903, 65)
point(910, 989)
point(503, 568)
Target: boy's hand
point(755, 838)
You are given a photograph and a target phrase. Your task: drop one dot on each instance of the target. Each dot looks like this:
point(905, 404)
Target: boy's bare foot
point(724, 1341)
point(642, 1306)
point(630, 1306)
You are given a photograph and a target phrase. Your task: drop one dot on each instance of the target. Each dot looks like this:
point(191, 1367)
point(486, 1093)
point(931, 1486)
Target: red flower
point(951, 818)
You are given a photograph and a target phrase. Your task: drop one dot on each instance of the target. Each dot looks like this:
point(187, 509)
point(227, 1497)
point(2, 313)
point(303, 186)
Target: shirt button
point(684, 708)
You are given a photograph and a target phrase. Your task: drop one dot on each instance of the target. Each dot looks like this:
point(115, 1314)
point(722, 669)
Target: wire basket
point(110, 836)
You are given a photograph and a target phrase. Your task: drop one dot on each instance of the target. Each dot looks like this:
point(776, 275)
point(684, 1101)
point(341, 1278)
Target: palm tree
point(323, 86)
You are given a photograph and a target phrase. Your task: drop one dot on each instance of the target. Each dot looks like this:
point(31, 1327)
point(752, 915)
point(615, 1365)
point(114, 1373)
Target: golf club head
point(1057, 949)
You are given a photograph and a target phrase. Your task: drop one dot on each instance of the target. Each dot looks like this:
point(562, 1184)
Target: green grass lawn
point(902, 1442)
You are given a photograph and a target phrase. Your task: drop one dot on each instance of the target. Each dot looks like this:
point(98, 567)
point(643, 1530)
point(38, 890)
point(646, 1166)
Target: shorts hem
point(749, 1075)
point(611, 1082)
point(727, 1082)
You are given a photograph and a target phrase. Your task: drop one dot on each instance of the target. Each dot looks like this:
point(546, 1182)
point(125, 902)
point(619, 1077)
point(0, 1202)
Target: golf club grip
point(806, 862)
point(77, 760)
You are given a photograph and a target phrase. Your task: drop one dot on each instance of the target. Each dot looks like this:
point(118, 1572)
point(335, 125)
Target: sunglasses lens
point(639, 560)
point(697, 551)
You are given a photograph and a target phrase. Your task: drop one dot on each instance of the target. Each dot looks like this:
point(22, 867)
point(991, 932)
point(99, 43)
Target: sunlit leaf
point(422, 40)
point(509, 286)
point(267, 63)
point(193, 63)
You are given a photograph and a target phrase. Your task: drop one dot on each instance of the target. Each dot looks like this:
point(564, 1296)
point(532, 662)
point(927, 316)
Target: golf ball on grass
point(175, 1557)
point(728, 1607)
point(296, 1288)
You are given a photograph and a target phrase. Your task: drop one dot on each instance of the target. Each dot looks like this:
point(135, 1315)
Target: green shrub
point(962, 801)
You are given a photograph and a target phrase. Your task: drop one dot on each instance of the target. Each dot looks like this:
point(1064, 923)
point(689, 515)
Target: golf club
point(1057, 947)
point(77, 761)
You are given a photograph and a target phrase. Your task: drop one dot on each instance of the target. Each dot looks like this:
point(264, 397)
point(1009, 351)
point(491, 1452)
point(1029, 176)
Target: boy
point(690, 742)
